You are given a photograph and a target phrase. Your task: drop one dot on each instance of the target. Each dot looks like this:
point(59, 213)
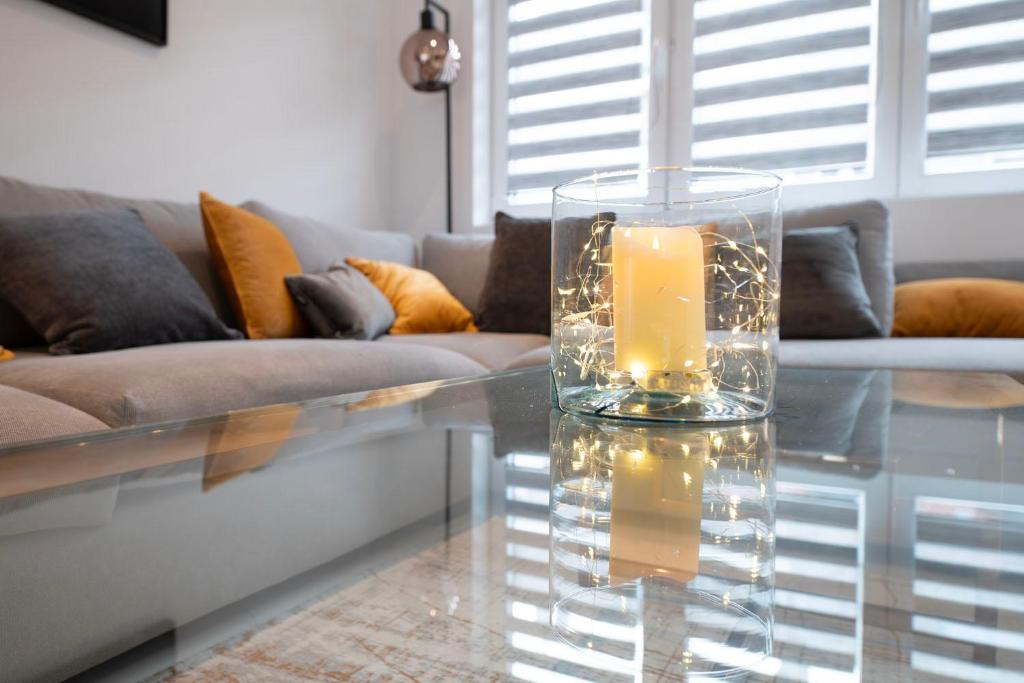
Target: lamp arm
point(427, 4)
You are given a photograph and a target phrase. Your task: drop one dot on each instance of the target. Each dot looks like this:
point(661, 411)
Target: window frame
point(914, 182)
point(897, 146)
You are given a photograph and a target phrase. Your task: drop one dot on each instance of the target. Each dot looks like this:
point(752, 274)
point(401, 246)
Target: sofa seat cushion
point(26, 417)
point(972, 354)
point(493, 350)
point(175, 381)
point(932, 353)
point(532, 358)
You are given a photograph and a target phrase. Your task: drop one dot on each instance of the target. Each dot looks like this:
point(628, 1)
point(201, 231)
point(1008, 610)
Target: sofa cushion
point(421, 302)
point(176, 224)
point(173, 381)
point(959, 307)
point(493, 350)
point(516, 296)
point(874, 247)
point(253, 258)
point(319, 244)
point(99, 280)
point(341, 303)
point(823, 295)
point(25, 417)
point(460, 262)
point(933, 353)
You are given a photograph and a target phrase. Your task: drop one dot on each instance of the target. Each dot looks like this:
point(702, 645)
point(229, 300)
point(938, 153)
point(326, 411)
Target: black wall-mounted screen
point(146, 19)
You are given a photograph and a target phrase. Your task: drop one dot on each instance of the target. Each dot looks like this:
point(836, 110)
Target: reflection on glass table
point(662, 545)
point(872, 530)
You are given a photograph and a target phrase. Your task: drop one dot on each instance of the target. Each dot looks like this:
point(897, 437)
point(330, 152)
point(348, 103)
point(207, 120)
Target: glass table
point(872, 529)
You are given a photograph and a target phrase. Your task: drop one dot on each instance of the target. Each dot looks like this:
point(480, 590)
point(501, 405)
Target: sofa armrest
point(460, 262)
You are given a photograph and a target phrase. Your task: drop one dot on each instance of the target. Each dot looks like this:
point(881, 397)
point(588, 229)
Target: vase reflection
point(662, 544)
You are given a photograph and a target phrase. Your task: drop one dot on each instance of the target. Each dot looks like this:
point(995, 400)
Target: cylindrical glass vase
point(663, 546)
point(665, 294)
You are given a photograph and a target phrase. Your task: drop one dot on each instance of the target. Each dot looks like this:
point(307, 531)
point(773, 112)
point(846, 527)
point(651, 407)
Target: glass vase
point(665, 294)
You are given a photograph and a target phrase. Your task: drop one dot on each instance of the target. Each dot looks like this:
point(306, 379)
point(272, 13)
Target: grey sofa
point(43, 396)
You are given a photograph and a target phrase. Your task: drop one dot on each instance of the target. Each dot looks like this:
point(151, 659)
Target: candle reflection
point(663, 544)
point(656, 506)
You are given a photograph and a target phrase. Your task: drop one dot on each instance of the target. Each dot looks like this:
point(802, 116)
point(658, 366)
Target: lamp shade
point(430, 58)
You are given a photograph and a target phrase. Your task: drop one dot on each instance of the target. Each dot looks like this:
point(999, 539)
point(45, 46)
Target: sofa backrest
point(461, 261)
point(179, 226)
point(999, 270)
point(318, 244)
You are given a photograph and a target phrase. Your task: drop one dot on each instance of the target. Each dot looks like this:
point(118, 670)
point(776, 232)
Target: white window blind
point(975, 118)
point(578, 82)
point(785, 85)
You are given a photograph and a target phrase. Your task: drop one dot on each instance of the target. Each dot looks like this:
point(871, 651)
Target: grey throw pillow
point(342, 303)
point(516, 295)
point(823, 294)
point(100, 280)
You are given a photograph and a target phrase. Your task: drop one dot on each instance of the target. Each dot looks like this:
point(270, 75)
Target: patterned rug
point(411, 622)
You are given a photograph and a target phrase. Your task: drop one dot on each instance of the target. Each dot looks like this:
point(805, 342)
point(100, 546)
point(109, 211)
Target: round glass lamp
point(429, 59)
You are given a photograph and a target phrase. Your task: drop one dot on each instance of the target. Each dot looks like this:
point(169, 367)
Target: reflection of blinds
point(975, 85)
point(819, 573)
point(783, 85)
point(576, 87)
point(534, 652)
point(968, 616)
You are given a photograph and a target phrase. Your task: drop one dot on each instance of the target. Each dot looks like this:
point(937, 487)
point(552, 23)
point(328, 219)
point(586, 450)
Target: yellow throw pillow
point(5, 354)
point(959, 307)
point(252, 258)
point(422, 304)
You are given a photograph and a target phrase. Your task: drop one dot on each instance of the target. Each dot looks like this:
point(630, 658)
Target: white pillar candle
point(658, 299)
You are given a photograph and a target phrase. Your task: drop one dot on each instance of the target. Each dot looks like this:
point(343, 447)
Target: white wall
point(250, 99)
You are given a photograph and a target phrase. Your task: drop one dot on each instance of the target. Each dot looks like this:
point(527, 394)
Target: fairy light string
point(742, 294)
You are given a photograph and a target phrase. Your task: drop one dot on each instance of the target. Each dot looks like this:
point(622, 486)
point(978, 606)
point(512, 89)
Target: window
point(843, 98)
point(576, 97)
point(784, 86)
point(975, 86)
